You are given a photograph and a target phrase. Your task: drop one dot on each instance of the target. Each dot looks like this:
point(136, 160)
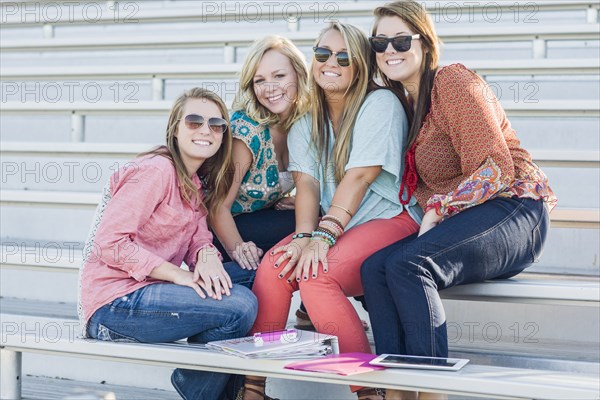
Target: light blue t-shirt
point(378, 138)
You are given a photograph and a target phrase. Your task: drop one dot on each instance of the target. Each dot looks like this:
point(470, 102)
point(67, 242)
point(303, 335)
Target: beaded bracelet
point(333, 218)
point(330, 242)
point(318, 235)
point(302, 235)
point(332, 225)
point(327, 231)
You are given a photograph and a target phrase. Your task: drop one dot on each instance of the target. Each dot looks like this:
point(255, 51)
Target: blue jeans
point(494, 240)
point(165, 312)
point(265, 228)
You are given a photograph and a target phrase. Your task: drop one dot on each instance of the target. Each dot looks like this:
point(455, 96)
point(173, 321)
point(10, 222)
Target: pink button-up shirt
point(141, 223)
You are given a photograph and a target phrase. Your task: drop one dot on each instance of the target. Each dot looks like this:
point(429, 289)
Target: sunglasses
point(194, 121)
point(399, 43)
point(322, 55)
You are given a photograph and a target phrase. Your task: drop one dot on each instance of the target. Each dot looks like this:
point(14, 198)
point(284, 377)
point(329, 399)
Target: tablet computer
point(434, 363)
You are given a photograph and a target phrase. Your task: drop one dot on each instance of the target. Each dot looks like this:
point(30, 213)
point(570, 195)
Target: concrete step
point(49, 228)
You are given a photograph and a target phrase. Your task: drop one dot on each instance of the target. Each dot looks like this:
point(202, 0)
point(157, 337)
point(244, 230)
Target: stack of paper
point(282, 344)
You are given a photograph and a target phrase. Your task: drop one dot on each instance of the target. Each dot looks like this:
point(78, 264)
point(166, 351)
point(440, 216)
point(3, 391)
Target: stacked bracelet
point(330, 225)
point(329, 230)
point(333, 218)
point(302, 235)
point(323, 236)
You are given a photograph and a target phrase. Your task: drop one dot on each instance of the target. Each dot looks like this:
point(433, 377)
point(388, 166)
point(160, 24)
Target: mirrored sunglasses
point(322, 55)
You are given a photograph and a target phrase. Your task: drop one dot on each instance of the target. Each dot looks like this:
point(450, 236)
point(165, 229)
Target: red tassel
point(410, 177)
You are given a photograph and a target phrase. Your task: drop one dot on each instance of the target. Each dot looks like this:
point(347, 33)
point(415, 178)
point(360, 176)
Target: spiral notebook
point(287, 344)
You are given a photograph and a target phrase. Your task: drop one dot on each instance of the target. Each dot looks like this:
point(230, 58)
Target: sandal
point(261, 383)
point(370, 394)
point(303, 322)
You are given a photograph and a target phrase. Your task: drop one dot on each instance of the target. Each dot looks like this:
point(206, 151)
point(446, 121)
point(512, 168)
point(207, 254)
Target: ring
point(290, 252)
point(215, 278)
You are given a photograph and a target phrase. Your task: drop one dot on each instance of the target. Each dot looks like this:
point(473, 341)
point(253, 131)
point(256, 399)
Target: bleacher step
point(548, 354)
point(39, 387)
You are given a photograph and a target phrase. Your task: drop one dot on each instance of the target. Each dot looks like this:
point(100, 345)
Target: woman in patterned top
point(273, 94)
point(486, 204)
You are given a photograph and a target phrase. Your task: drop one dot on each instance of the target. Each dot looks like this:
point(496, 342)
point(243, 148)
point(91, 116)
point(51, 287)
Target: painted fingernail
point(325, 270)
point(289, 281)
point(280, 276)
point(276, 265)
point(314, 275)
point(297, 279)
point(272, 252)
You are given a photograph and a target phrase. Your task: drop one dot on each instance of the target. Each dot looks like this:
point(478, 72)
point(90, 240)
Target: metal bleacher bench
point(474, 380)
point(293, 14)
point(159, 73)
point(538, 35)
point(56, 335)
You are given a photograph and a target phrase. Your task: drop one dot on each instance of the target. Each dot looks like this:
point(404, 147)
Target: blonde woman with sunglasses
point(486, 204)
point(346, 159)
point(152, 218)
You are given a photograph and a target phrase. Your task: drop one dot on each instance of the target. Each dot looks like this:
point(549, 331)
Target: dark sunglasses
point(195, 121)
point(322, 55)
point(401, 43)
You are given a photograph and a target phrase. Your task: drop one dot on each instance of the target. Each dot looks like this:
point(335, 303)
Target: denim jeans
point(265, 228)
point(165, 312)
point(494, 240)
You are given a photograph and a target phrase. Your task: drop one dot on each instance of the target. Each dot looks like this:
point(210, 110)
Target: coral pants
point(325, 297)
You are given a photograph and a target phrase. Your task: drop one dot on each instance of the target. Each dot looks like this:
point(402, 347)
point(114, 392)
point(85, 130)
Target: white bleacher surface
point(86, 85)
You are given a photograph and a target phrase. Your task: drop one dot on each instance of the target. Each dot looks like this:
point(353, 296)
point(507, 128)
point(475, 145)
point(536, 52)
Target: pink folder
point(341, 364)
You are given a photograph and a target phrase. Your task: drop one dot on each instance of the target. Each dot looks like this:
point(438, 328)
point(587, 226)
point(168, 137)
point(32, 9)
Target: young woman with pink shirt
point(486, 203)
point(152, 217)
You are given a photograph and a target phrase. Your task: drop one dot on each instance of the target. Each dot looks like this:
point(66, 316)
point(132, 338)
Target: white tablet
point(435, 363)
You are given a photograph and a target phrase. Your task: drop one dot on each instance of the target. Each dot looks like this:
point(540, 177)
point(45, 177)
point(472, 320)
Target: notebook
point(341, 364)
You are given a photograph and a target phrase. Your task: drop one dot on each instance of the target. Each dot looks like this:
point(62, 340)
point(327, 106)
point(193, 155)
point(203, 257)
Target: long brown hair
point(416, 17)
point(215, 172)
point(358, 51)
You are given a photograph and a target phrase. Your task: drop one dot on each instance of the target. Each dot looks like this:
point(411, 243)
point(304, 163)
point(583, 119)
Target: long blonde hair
point(419, 21)
point(216, 172)
point(359, 50)
point(245, 98)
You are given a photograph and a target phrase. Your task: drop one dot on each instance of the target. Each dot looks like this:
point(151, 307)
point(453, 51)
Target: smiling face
point(329, 75)
point(276, 83)
point(404, 66)
point(197, 145)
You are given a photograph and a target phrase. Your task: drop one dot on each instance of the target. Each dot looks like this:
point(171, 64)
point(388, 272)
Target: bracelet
point(333, 218)
point(332, 225)
point(327, 231)
point(328, 237)
point(325, 239)
point(301, 235)
point(344, 209)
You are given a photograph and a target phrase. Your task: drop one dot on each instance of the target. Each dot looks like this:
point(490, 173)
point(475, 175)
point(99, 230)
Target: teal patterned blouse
point(260, 186)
